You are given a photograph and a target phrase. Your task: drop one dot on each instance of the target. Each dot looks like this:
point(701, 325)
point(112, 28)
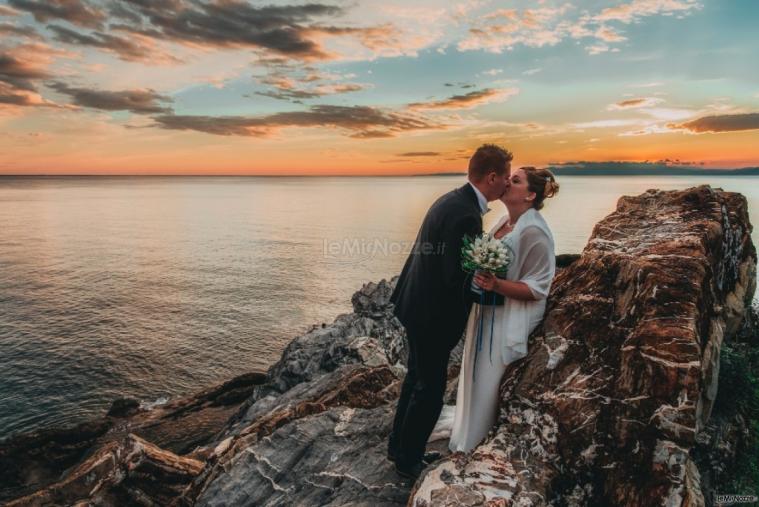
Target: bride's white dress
point(468, 422)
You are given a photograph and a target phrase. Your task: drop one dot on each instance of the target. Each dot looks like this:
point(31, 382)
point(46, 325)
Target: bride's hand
point(485, 279)
point(503, 230)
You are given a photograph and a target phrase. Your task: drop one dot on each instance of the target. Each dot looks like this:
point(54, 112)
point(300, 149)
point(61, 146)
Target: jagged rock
point(323, 349)
point(335, 457)
point(123, 407)
point(621, 376)
point(132, 472)
point(373, 299)
point(30, 462)
point(325, 445)
point(371, 335)
point(34, 460)
point(335, 387)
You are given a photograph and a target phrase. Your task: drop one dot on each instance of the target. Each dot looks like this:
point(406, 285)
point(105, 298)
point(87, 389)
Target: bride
point(525, 287)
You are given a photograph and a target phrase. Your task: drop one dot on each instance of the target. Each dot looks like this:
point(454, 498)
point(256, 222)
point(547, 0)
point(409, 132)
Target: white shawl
point(535, 265)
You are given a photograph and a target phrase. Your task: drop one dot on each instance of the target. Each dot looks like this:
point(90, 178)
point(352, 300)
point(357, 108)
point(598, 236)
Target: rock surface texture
point(621, 376)
point(54, 463)
point(619, 381)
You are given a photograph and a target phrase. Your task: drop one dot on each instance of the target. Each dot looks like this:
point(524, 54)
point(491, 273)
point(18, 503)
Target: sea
point(156, 287)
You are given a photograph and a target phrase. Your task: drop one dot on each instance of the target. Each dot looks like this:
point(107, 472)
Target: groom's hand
point(485, 279)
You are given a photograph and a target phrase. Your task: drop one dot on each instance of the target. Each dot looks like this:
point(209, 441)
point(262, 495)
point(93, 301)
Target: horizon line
point(565, 167)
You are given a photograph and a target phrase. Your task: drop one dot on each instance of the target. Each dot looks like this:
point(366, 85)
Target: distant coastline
point(644, 169)
point(631, 169)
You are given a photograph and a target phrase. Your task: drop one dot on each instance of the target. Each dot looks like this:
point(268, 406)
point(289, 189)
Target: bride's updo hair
point(542, 182)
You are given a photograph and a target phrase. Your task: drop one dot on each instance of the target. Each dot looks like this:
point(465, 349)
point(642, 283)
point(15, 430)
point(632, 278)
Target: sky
point(369, 87)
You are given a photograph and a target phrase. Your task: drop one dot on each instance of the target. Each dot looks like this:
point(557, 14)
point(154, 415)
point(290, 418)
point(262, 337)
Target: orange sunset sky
point(362, 87)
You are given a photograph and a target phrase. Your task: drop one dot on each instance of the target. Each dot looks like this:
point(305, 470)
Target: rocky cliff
point(621, 378)
point(610, 406)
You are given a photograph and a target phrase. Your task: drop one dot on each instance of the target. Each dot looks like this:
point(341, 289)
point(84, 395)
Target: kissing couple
point(434, 301)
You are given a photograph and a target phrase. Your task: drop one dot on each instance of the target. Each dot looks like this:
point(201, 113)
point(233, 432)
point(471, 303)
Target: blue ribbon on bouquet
point(478, 345)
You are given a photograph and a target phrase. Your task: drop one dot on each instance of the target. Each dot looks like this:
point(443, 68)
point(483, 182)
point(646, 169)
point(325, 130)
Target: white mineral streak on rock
point(589, 454)
point(489, 473)
point(433, 480)
point(345, 419)
point(671, 364)
point(557, 354)
point(222, 447)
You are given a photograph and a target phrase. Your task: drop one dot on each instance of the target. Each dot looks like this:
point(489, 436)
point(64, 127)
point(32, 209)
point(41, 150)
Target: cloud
point(531, 72)
point(121, 11)
point(24, 31)
point(606, 123)
point(634, 103)
point(136, 48)
point(398, 29)
point(383, 40)
point(292, 31)
point(505, 29)
point(597, 49)
point(77, 12)
point(493, 72)
point(13, 96)
point(667, 114)
point(720, 123)
point(138, 101)
point(300, 86)
point(21, 68)
point(632, 11)
point(646, 130)
point(311, 93)
point(468, 100)
point(607, 34)
point(461, 85)
point(20, 74)
point(419, 154)
point(7, 11)
point(360, 122)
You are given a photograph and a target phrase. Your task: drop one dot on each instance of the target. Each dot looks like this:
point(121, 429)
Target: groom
point(431, 301)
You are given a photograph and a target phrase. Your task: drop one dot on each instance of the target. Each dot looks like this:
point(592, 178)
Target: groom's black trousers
point(421, 398)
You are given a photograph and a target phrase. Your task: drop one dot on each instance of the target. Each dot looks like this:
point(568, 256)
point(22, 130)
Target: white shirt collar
point(481, 199)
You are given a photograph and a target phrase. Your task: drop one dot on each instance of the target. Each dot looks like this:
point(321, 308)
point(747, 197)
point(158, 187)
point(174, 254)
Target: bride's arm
point(508, 288)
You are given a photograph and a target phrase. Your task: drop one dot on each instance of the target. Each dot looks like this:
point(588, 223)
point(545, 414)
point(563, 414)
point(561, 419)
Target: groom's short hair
point(488, 158)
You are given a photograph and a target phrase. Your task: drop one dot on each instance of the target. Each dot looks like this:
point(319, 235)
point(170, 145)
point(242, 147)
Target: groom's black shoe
point(409, 471)
point(429, 457)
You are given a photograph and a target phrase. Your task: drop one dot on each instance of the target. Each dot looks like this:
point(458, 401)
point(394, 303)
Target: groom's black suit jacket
point(432, 298)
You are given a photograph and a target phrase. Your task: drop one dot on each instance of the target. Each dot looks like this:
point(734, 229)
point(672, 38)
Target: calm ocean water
point(154, 287)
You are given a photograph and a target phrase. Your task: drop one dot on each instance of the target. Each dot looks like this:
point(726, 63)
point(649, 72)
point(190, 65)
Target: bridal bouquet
point(485, 253)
